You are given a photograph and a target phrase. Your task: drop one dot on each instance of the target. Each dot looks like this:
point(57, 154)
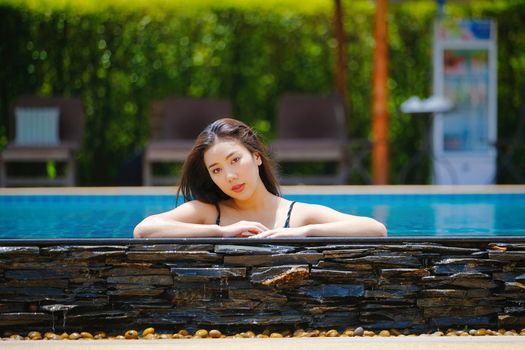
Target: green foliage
point(51, 169)
point(119, 56)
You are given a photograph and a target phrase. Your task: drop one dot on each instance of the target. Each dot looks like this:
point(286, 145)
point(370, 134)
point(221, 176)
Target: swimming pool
point(114, 216)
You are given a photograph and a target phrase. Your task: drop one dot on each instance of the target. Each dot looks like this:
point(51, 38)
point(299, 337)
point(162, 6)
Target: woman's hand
point(283, 232)
point(243, 229)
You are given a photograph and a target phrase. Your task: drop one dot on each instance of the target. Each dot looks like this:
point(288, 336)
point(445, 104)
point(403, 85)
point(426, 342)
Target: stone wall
point(234, 284)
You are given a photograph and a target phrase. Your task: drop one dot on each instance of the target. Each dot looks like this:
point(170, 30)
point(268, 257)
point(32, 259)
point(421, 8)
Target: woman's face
point(233, 168)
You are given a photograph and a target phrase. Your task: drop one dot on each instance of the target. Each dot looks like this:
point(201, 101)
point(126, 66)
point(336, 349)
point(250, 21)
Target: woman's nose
point(231, 175)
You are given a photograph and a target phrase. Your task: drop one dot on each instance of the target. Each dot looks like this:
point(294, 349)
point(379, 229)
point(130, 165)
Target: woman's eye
point(236, 159)
point(216, 170)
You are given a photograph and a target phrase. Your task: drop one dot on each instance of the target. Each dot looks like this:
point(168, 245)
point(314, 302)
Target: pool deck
point(365, 189)
point(375, 343)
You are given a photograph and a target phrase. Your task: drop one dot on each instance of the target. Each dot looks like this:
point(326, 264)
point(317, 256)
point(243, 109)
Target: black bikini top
point(286, 223)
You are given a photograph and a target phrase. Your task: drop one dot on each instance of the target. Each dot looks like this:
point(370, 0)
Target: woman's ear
point(258, 158)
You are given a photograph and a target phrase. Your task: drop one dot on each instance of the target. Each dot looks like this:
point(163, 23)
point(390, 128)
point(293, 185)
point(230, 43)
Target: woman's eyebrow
point(228, 156)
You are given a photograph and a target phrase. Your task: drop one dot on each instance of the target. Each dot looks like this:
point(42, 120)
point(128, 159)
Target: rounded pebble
point(315, 333)
point(201, 333)
point(395, 332)
point(384, 333)
point(214, 333)
point(100, 335)
point(147, 331)
point(34, 334)
point(74, 336)
point(86, 335)
point(131, 334)
point(332, 333)
point(299, 332)
point(481, 332)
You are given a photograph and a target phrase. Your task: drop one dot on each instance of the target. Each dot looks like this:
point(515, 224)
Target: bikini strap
point(287, 223)
point(218, 220)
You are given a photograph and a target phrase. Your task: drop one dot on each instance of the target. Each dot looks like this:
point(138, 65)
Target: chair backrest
point(71, 117)
point(310, 117)
point(183, 118)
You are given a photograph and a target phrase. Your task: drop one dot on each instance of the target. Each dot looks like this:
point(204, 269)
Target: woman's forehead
point(221, 149)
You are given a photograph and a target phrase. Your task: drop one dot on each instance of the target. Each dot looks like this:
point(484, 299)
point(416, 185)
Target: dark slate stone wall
point(240, 284)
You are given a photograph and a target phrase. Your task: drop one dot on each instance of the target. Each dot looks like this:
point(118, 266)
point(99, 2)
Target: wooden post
point(340, 37)
point(380, 161)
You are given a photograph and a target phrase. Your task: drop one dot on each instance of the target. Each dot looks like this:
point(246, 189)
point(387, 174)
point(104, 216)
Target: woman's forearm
point(154, 227)
point(361, 226)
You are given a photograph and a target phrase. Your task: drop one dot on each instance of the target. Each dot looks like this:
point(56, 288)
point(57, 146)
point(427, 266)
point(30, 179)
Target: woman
point(230, 190)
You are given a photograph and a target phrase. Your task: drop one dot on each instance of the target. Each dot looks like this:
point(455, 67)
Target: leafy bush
point(120, 55)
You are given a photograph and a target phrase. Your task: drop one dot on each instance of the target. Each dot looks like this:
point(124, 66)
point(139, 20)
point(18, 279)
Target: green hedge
point(120, 57)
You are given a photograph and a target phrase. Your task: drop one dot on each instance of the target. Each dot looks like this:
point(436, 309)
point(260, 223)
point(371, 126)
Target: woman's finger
point(261, 226)
point(254, 229)
point(253, 224)
point(264, 234)
point(247, 234)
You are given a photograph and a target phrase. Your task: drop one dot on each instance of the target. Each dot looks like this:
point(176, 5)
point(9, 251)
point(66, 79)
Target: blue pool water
point(101, 216)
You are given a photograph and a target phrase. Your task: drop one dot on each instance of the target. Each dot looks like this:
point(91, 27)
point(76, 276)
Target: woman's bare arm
point(187, 220)
point(318, 220)
point(191, 219)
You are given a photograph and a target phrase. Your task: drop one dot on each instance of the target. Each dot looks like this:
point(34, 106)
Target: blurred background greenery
point(120, 55)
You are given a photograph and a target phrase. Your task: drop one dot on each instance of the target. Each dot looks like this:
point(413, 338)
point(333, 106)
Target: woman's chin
point(238, 197)
point(243, 195)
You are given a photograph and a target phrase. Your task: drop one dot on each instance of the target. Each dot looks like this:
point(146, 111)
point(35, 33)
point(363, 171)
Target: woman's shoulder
point(198, 205)
point(194, 208)
point(306, 213)
point(306, 207)
point(297, 212)
point(194, 211)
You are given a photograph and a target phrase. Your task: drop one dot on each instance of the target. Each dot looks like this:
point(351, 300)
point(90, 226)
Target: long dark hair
point(196, 183)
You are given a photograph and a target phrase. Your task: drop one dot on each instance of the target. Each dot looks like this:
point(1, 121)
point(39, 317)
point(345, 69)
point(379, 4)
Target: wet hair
point(196, 183)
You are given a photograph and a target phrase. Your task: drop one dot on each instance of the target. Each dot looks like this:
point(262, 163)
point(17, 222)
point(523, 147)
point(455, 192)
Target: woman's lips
point(238, 188)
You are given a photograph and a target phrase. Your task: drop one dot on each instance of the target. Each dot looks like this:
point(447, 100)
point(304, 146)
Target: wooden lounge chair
point(175, 123)
point(70, 131)
point(311, 128)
